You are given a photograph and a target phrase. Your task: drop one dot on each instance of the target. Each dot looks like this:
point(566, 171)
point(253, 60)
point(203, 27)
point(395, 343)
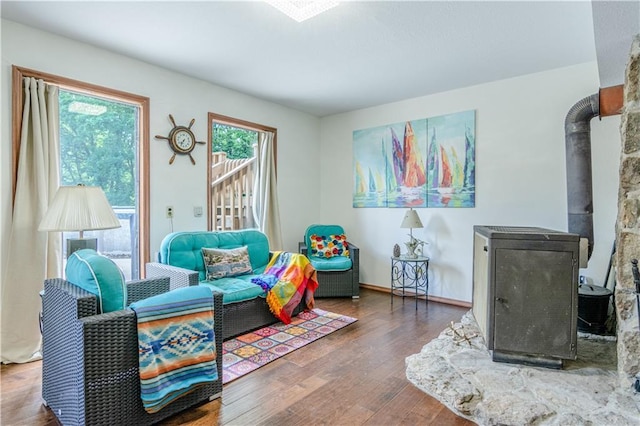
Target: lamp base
point(75, 244)
point(411, 249)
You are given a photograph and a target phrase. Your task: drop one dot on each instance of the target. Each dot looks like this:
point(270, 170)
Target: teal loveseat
point(244, 304)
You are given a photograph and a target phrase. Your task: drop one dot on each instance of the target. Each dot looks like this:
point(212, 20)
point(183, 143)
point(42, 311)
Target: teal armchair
point(336, 260)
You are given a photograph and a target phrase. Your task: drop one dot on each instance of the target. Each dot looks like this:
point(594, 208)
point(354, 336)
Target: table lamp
point(412, 220)
point(79, 208)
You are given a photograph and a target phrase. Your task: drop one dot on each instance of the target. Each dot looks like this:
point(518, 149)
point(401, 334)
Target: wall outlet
point(197, 211)
point(169, 212)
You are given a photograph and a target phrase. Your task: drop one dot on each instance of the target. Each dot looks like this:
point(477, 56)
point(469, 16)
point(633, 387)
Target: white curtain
point(266, 212)
point(33, 255)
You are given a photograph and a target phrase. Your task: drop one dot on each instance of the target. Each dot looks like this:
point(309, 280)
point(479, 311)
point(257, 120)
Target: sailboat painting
point(370, 168)
point(451, 160)
point(421, 163)
point(407, 174)
point(389, 167)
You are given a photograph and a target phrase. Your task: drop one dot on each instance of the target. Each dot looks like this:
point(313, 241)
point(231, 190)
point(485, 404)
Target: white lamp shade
point(411, 220)
point(79, 208)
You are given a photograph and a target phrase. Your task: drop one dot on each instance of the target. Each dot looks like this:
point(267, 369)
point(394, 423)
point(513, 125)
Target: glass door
point(99, 142)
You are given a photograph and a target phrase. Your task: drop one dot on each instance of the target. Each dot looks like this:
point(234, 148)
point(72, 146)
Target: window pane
point(232, 173)
point(98, 145)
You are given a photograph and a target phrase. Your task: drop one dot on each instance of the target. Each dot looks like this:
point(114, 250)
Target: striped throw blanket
point(176, 345)
point(287, 278)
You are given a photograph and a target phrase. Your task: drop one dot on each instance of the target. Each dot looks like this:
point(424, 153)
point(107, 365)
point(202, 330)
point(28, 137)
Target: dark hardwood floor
point(355, 376)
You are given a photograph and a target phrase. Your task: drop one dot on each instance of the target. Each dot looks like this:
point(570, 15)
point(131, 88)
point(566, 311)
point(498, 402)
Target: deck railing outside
point(231, 192)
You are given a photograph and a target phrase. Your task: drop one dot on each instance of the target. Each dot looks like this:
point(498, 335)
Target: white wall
point(520, 174)
point(519, 139)
point(180, 185)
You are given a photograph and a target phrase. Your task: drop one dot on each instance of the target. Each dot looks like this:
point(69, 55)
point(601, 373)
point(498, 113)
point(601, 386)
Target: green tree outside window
point(236, 142)
point(97, 145)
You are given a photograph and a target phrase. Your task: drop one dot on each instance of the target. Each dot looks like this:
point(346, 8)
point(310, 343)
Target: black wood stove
point(525, 293)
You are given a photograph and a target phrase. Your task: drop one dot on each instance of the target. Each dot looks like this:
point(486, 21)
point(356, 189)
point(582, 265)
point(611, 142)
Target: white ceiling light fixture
point(302, 10)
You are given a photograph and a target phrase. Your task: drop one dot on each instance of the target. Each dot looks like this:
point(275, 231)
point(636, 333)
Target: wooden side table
point(410, 274)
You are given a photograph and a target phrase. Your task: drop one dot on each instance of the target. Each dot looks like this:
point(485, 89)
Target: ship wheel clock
point(181, 140)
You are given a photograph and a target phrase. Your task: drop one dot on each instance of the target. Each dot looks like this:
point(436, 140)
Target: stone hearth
point(462, 376)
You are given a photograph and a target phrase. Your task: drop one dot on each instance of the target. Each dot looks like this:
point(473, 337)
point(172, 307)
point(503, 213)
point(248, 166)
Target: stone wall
point(628, 223)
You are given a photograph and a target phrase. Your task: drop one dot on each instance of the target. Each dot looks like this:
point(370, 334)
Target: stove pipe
point(578, 158)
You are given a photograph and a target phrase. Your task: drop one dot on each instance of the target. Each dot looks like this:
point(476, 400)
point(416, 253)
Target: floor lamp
point(79, 208)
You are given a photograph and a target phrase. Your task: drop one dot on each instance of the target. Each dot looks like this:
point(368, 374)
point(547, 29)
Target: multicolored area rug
point(250, 351)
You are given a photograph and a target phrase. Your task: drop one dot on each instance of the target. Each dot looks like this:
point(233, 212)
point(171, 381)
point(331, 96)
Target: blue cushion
point(335, 263)
point(183, 249)
point(257, 271)
point(235, 289)
point(98, 275)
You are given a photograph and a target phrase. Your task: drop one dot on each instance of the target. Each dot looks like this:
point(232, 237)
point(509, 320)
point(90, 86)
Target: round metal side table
point(410, 274)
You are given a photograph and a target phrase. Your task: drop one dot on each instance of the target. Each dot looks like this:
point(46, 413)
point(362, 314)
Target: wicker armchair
point(334, 283)
point(90, 360)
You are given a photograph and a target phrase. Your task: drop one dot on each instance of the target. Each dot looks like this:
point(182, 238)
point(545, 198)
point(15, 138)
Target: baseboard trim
point(438, 299)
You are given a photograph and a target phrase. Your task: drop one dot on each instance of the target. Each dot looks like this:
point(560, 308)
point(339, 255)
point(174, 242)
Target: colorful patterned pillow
point(220, 263)
point(326, 247)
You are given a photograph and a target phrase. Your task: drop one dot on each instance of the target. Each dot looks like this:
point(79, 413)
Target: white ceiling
point(356, 55)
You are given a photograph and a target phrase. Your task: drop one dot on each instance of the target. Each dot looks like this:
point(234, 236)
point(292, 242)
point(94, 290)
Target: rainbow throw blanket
point(176, 345)
point(287, 278)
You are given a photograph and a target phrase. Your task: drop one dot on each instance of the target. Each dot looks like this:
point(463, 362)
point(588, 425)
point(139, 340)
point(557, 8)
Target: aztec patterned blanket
point(176, 344)
point(287, 278)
